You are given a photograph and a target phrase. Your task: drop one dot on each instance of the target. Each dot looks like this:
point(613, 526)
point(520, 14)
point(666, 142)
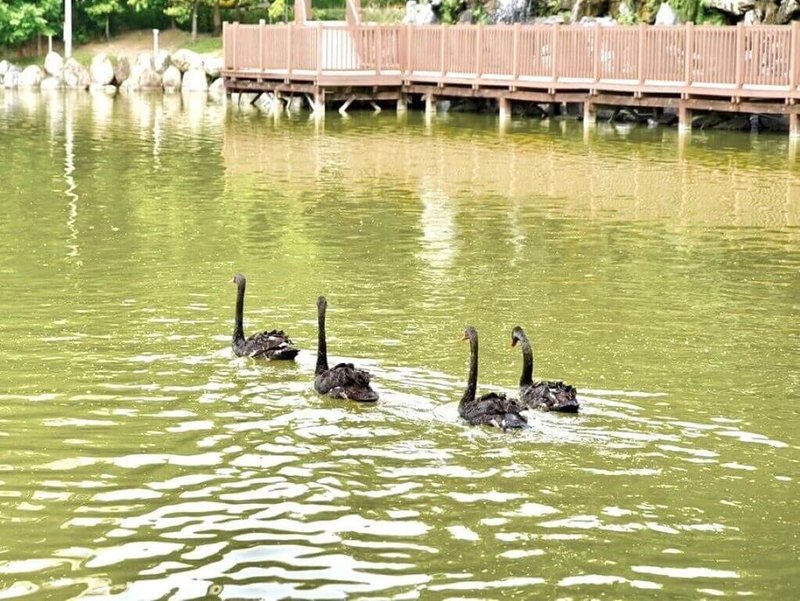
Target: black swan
point(544, 395)
point(343, 381)
point(491, 409)
point(274, 344)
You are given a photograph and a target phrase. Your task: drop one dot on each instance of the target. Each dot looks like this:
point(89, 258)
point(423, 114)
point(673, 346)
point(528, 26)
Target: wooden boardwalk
point(730, 69)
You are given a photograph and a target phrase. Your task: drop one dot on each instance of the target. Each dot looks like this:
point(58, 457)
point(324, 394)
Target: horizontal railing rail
point(752, 60)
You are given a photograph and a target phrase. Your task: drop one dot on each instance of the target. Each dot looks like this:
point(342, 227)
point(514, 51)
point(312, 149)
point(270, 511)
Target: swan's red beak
point(232, 281)
point(463, 338)
point(513, 342)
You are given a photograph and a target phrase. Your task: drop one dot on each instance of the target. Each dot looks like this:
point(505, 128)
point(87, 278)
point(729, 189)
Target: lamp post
point(67, 28)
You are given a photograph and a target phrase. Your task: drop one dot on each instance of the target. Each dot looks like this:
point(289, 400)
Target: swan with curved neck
point(272, 344)
point(546, 395)
point(343, 381)
point(491, 409)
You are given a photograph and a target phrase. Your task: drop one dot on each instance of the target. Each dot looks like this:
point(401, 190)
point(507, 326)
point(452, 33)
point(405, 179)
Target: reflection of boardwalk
point(735, 69)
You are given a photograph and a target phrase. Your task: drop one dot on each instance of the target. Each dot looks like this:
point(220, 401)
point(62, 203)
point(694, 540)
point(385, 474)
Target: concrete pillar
point(589, 114)
point(402, 104)
point(504, 107)
point(684, 119)
point(319, 103)
point(794, 126)
point(430, 104)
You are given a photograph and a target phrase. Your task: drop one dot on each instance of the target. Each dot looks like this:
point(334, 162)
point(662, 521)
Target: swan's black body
point(545, 395)
point(343, 381)
point(490, 409)
point(274, 344)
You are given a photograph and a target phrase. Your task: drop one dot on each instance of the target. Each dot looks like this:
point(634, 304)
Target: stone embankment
point(183, 71)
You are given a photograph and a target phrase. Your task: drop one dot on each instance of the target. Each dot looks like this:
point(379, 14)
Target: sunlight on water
point(142, 460)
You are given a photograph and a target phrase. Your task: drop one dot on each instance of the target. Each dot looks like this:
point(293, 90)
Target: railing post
point(640, 62)
point(233, 44)
point(515, 53)
point(225, 44)
point(442, 32)
point(554, 54)
point(289, 49)
point(689, 52)
point(408, 69)
point(739, 55)
point(794, 61)
point(379, 44)
point(597, 47)
point(319, 48)
point(261, 25)
point(479, 29)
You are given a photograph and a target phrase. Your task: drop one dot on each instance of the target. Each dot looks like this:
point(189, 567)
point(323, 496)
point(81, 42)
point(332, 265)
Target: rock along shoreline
point(181, 71)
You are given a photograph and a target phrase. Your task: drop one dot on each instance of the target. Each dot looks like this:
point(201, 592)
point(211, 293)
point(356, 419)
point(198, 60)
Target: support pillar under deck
point(794, 126)
point(504, 108)
point(430, 104)
point(589, 114)
point(684, 119)
point(402, 104)
point(319, 103)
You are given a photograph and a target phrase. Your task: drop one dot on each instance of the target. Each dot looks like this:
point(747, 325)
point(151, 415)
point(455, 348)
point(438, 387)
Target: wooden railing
point(758, 61)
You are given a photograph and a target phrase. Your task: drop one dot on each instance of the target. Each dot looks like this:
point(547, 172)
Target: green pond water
point(139, 459)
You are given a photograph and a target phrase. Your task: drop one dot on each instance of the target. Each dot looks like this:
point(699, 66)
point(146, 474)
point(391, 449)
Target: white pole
point(67, 28)
point(155, 44)
point(49, 43)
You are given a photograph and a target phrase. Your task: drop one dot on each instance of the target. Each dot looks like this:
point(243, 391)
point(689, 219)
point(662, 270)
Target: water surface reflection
point(143, 460)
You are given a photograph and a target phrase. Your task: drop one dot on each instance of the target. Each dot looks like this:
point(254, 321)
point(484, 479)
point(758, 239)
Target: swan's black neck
point(322, 346)
point(527, 361)
point(238, 328)
point(472, 378)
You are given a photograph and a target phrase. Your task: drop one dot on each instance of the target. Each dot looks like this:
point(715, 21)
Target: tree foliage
point(20, 20)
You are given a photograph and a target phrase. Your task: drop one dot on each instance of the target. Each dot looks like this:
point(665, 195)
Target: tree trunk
point(108, 28)
point(217, 19)
point(194, 22)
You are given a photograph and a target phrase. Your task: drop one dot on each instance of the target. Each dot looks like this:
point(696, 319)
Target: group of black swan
point(345, 381)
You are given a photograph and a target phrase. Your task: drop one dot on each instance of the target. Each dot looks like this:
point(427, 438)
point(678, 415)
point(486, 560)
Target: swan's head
point(322, 303)
point(238, 279)
point(517, 335)
point(470, 334)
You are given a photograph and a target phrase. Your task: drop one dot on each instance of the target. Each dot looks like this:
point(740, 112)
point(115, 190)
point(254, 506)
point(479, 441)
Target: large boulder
point(101, 69)
point(213, 66)
point(144, 60)
point(31, 77)
point(732, 7)
point(122, 70)
point(75, 75)
point(217, 87)
point(194, 80)
point(161, 61)
point(142, 77)
point(11, 77)
point(419, 14)
point(666, 15)
point(787, 10)
point(53, 64)
point(510, 11)
point(186, 59)
point(149, 79)
point(51, 83)
point(171, 79)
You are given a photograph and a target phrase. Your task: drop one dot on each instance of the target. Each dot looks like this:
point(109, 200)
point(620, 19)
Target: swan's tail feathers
point(286, 353)
point(512, 421)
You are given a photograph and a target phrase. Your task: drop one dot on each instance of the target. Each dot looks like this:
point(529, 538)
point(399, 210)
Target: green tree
point(101, 10)
point(185, 10)
point(20, 20)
